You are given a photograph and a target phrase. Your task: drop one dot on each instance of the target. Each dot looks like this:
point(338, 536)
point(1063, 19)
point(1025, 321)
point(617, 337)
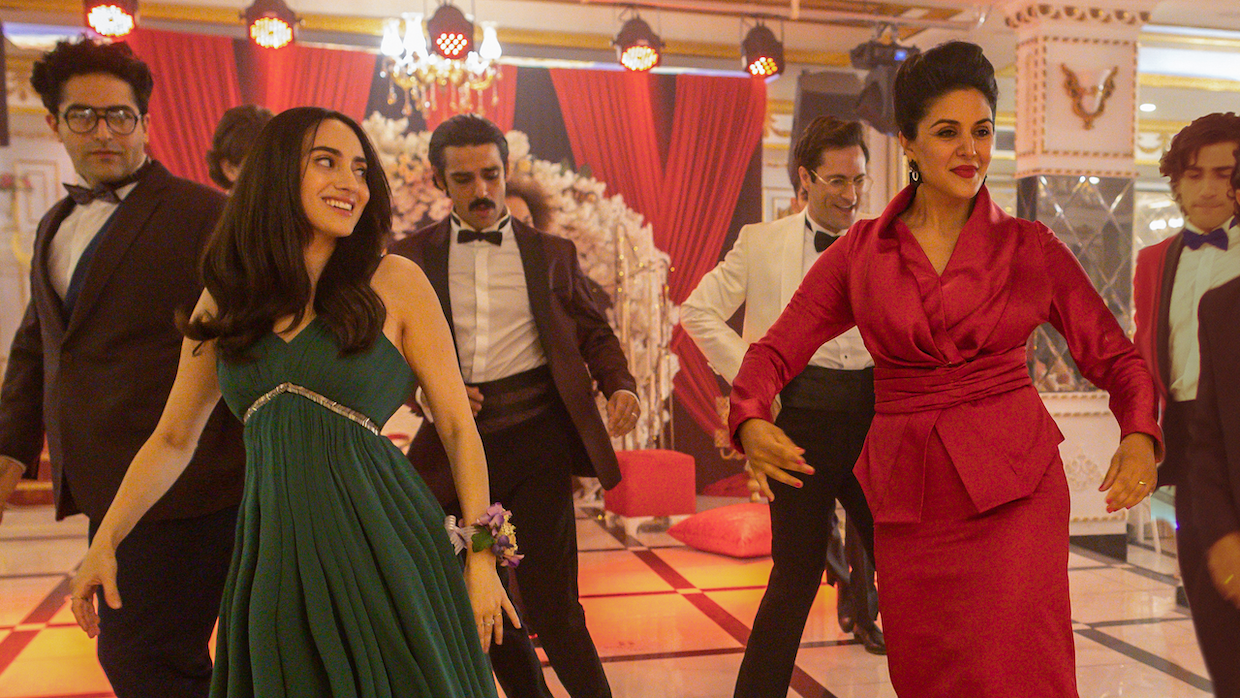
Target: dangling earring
point(914, 172)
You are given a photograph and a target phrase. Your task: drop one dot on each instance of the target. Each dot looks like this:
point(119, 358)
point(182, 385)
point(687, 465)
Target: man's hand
point(623, 409)
point(771, 455)
point(10, 474)
point(1223, 561)
point(475, 398)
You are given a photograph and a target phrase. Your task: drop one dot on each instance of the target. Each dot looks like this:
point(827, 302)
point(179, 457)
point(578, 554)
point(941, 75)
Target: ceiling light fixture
point(637, 46)
point(270, 23)
point(762, 55)
point(111, 17)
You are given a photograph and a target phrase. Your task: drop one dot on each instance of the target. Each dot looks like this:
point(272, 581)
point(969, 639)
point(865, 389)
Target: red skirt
point(977, 604)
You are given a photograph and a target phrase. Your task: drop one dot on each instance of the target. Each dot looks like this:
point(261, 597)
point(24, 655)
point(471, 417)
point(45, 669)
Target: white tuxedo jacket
point(762, 270)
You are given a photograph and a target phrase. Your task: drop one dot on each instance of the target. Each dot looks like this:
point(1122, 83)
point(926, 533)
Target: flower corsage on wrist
point(492, 530)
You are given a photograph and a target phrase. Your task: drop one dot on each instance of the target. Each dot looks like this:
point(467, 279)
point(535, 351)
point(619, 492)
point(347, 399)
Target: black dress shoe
point(847, 622)
point(871, 638)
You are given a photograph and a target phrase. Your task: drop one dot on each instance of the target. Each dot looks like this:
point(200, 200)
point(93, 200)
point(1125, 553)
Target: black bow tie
point(494, 237)
point(85, 195)
point(105, 191)
point(1216, 237)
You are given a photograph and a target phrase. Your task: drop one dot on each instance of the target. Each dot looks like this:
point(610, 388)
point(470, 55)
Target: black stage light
point(876, 103)
point(270, 23)
point(761, 53)
point(638, 47)
point(875, 54)
point(452, 35)
point(111, 17)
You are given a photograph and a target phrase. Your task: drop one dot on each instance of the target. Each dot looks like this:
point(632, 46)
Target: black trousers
point(530, 469)
point(799, 537)
point(170, 575)
point(1215, 620)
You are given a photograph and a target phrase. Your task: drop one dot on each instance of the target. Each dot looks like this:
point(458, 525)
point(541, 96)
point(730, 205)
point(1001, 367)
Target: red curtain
point(504, 91)
point(195, 83)
point(297, 76)
point(689, 202)
point(715, 129)
point(611, 127)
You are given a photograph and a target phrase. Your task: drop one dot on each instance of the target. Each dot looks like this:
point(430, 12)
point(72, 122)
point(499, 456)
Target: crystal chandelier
point(421, 70)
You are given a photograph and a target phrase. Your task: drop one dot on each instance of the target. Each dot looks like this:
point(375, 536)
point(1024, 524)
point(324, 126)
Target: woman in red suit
point(961, 466)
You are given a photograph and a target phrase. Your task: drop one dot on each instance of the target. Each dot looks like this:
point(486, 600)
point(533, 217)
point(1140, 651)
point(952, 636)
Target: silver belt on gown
point(346, 412)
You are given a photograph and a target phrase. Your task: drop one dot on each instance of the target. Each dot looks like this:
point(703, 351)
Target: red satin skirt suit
point(961, 466)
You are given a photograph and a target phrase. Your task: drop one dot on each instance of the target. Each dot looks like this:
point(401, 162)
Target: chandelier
point(444, 67)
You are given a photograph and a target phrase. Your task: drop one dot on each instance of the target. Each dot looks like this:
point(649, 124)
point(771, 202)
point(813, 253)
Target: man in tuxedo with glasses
point(826, 410)
point(94, 359)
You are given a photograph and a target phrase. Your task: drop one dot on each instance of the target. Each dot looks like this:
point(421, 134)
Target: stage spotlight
point(638, 47)
point(876, 102)
point(111, 17)
point(271, 24)
point(762, 54)
point(452, 35)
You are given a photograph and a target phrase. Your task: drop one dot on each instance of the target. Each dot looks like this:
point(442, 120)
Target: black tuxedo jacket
point(96, 382)
point(1215, 427)
point(580, 345)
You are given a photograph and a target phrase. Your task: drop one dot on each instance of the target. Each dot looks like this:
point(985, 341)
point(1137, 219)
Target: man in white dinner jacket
point(826, 410)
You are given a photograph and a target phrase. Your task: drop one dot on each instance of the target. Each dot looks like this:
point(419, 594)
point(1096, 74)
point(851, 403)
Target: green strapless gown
point(343, 581)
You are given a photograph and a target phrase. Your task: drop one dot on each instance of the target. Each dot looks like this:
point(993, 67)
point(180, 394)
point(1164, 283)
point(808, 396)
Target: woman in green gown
point(343, 580)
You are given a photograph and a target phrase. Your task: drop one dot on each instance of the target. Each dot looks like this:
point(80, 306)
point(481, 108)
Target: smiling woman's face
point(333, 182)
point(954, 141)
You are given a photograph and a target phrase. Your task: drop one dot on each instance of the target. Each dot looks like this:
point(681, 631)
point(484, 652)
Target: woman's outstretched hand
point(97, 570)
point(488, 598)
point(1133, 474)
point(771, 455)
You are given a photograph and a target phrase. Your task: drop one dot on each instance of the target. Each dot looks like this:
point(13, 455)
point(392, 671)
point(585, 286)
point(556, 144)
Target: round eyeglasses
point(120, 120)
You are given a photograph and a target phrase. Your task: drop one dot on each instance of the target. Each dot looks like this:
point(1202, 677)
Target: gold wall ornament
point(1100, 92)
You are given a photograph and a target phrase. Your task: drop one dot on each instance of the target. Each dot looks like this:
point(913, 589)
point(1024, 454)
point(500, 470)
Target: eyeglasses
point(120, 120)
point(838, 183)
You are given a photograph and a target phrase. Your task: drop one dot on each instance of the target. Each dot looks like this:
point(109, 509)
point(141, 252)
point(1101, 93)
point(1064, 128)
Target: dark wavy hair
point(1203, 131)
point(823, 134)
point(233, 138)
point(254, 265)
point(925, 77)
point(464, 129)
point(87, 56)
point(529, 191)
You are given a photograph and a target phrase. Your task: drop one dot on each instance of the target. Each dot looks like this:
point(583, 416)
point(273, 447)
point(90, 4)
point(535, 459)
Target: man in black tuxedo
point(532, 343)
point(1214, 480)
point(94, 359)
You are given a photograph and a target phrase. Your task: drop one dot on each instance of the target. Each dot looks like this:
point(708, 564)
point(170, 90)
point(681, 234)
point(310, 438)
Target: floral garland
point(615, 247)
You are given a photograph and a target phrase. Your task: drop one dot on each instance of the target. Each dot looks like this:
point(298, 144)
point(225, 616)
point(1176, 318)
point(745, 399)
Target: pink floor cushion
point(739, 530)
point(653, 482)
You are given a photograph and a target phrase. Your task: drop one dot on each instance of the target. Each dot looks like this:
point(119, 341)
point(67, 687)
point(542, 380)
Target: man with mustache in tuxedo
point(532, 342)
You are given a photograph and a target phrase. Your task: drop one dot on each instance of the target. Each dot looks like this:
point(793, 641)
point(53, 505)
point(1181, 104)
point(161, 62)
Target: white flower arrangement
point(615, 247)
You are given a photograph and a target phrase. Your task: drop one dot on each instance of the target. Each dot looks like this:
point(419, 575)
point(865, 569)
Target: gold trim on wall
point(1187, 83)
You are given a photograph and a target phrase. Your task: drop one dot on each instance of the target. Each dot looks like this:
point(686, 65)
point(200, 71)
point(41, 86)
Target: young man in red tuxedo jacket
point(1171, 278)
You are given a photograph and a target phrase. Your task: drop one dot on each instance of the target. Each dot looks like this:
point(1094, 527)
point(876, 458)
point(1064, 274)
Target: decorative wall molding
point(1026, 14)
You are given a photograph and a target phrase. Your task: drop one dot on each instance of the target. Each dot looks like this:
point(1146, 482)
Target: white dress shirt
point(847, 351)
point(74, 235)
point(1199, 271)
point(495, 332)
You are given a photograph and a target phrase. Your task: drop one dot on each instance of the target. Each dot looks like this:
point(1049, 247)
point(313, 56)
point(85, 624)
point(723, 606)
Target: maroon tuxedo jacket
point(1215, 426)
point(949, 352)
point(96, 382)
point(580, 345)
